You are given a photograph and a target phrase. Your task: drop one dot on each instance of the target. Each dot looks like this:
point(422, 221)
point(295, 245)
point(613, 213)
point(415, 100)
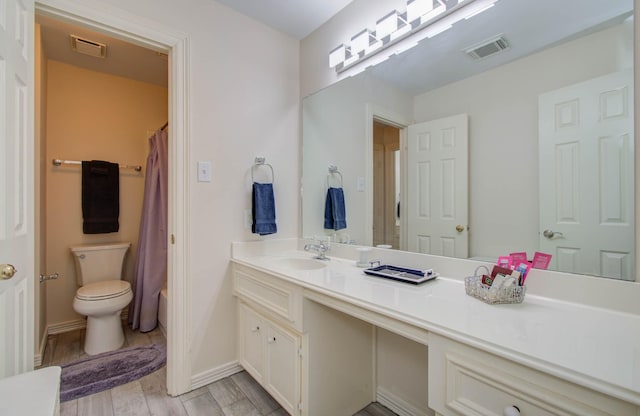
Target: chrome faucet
point(321, 248)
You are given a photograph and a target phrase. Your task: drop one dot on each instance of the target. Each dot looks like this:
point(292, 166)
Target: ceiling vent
point(88, 47)
point(488, 47)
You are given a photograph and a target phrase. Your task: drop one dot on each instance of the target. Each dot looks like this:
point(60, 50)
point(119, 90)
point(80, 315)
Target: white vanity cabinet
point(466, 381)
point(269, 341)
point(313, 365)
point(271, 354)
point(309, 338)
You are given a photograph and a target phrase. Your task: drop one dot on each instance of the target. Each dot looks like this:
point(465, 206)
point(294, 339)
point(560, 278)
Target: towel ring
point(333, 169)
point(260, 161)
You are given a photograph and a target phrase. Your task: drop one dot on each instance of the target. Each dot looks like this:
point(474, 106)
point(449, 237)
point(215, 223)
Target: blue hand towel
point(335, 217)
point(264, 209)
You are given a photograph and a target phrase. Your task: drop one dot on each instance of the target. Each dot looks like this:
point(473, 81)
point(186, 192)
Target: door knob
point(550, 234)
point(7, 271)
point(459, 228)
point(511, 411)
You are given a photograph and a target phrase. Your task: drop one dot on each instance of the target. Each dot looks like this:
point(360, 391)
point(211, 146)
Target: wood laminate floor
point(236, 395)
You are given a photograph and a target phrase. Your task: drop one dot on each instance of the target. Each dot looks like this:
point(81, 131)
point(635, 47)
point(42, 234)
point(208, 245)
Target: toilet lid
point(103, 290)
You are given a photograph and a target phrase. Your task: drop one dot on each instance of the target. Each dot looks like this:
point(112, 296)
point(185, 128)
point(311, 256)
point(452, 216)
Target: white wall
point(244, 102)
point(502, 105)
point(334, 131)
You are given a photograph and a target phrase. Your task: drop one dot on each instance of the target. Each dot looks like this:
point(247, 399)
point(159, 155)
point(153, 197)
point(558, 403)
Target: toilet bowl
point(102, 294)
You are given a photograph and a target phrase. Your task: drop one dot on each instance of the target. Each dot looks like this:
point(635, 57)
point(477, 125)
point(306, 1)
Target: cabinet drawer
point(466, 381)
point(269, 294)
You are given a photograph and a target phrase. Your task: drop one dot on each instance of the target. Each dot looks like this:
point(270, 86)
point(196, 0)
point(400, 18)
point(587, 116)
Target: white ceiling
point(528, 25)
point(297, 18)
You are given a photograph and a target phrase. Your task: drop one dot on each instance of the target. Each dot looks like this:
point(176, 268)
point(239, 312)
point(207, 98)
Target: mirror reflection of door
point(386, 185)
point(438, 175)
point(586, 176)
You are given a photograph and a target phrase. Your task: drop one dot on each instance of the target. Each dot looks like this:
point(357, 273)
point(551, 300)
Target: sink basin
point(298, 263)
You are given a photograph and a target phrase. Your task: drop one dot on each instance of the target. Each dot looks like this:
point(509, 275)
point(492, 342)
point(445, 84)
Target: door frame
point(377, 113)
point(153, 35)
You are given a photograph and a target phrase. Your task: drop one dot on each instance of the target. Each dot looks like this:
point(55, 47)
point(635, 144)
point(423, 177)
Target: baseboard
point(215, 374)
point(398, 405)
point(66, 326)
point(37, 358)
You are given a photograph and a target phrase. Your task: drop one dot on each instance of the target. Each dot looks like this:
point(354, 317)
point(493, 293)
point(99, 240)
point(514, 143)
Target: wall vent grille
point(88, 47)
point(488, 47)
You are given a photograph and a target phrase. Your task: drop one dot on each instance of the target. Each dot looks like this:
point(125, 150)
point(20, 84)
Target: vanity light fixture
point(422, 19)
point(389, 24)
point(338, 56)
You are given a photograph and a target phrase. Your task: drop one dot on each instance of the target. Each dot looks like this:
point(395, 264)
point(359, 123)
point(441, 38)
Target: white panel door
point(587, 176)
point(438, 180)
point(16, 186)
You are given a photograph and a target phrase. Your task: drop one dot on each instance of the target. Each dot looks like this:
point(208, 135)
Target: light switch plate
point(204, 171)
point(360, 184)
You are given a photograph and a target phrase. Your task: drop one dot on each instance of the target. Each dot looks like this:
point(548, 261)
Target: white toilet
point(102, 294)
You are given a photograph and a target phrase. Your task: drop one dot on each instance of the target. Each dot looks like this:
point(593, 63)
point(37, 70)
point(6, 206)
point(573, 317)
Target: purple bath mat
point(96, 373)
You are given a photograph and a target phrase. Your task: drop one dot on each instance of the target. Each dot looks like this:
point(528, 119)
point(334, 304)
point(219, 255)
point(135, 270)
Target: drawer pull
point(255, 329)
point(271, 340)
point(511, 411)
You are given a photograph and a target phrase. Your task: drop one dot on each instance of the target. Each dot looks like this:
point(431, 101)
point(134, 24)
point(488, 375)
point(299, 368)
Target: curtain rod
point(58, 162)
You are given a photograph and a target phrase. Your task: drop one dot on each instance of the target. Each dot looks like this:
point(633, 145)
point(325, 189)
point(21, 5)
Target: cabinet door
point(252, 329)
point(283, 367)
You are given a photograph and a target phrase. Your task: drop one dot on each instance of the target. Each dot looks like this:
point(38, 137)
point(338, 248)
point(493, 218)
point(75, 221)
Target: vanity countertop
point(592, 347)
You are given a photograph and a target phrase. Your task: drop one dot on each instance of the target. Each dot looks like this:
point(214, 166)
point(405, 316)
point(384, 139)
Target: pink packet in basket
point(541, 261)
point(505, 261)
point(518, 258)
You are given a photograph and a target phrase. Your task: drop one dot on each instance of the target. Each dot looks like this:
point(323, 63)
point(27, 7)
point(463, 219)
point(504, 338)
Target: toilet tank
point(95, 263)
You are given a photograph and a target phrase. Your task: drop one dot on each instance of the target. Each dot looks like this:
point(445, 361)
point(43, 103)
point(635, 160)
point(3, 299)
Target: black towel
point(100, 197)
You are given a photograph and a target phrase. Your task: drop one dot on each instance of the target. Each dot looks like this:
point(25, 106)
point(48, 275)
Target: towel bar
point(58, 162)
point(260, 161)
point(333, 169)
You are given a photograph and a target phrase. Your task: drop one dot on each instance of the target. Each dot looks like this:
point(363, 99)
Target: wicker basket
point(474, 287)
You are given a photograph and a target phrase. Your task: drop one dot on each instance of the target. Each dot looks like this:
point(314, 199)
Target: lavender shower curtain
point(151, 261)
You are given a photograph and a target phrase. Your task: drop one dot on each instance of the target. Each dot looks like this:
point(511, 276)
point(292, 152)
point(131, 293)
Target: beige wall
point(91, 115)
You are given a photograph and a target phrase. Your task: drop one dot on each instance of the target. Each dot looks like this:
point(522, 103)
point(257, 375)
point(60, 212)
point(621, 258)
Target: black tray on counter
point(401, 274)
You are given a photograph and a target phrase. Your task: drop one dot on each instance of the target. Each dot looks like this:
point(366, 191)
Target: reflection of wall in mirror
point(503, 131)
point(334, 131)
point(503, 128)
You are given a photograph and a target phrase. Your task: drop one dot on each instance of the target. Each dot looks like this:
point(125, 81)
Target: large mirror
point(546, 134)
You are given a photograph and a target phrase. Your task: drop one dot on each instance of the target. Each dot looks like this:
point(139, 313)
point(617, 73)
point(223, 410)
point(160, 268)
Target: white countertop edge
point(557, 286)
point(553, 369)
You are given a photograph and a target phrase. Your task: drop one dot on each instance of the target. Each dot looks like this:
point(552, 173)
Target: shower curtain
point(151, 261)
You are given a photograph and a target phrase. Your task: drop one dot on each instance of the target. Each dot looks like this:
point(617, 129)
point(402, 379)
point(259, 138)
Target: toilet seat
point(108, 289)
